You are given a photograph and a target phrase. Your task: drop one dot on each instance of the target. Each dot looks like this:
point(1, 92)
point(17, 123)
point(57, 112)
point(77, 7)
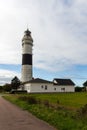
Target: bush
point(82, 112)
point(7, 87)
point(1, 89)
point(29, 99)
point(46, 103)
point(17, 91)
point(78, 89)
point(58, 102)
point(32, 100)
point(23, 98)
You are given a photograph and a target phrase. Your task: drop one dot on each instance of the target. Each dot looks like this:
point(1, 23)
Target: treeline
point(14, 85)
point(5, 88)
point(80, 89)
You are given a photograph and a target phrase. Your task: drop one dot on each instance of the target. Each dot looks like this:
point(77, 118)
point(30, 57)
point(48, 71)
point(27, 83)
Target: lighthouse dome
point(27, 32)
point(27, 36)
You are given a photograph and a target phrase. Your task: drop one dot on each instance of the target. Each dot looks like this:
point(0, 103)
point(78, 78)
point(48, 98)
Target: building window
point(45, 87)
point(63, 89)
point(22, 87)
point(54, 88)
point(42, 86)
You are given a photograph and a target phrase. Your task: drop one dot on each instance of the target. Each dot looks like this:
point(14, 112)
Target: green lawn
point(69, 113)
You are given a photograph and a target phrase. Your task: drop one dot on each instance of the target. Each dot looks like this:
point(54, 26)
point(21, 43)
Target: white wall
point(40, 87)
point(64, 88)
point(26, 73)
point(37, 87)
point(27, 49)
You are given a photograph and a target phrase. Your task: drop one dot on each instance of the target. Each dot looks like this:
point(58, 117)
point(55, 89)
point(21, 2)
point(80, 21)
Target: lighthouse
point(27, 44)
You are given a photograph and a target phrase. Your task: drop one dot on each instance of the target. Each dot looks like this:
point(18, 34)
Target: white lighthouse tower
point(27, 44)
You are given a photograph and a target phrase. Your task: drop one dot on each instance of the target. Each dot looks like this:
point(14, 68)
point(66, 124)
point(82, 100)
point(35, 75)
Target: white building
point(43, 86)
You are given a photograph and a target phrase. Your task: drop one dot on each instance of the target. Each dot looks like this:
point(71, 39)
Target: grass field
point(65, 111)
point(73, 100)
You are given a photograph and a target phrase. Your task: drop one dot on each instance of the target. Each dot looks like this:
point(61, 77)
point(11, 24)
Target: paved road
point(14, 118)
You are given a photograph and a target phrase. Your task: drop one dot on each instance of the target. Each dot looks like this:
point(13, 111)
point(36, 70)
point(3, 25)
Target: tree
point(7, 87)
point(15, 83)
point(85, 84)
point(78, 89)
point(1, 88)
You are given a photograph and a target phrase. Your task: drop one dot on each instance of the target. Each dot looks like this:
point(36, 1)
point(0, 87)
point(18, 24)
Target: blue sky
point(59, 31)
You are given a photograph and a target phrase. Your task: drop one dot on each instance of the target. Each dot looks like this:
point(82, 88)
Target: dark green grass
point(74, 100)
point(63, 118)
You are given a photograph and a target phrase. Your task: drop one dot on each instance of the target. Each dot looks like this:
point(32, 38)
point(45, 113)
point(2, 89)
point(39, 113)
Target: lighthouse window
point(45, 87)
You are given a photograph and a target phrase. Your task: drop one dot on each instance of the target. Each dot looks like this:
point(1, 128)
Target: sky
point(59, 31)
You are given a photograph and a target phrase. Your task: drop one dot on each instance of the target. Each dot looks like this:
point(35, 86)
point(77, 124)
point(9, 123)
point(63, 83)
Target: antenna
point(27, 25)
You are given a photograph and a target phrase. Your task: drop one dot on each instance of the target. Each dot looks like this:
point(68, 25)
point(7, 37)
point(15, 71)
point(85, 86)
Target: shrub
point(58, 102)
point(46, 103)
point(78, 89)
point(7, 87)
point(39, 101)
point(17, 91)
point(1, 89)
point(29, 99)
point(23, 98)
point(82, 112)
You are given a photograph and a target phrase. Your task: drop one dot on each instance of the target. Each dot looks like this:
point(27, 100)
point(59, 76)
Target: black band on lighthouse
point(26, 59)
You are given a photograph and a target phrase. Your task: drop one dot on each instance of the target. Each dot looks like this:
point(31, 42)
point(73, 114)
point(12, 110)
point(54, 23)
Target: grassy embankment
point(65, 111)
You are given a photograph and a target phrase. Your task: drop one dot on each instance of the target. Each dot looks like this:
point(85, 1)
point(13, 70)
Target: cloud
point(58, 28)
point(64, 40)
point(6, 76)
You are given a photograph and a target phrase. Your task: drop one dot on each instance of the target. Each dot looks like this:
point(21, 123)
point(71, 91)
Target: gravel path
point(14, 118)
